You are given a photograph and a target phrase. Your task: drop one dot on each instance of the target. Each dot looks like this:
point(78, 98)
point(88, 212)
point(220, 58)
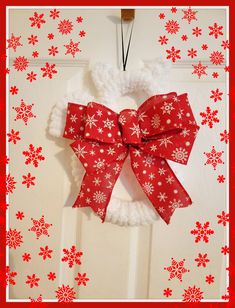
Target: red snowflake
point(81, 279)
point(189, 15)
point(192, 53)
point(216, 95)
point(45, 252)
point(40, 227)
point(197, 31)
point(173, 54)
point(20, 215)
point(33, 155)
point(215, 30)
point(72, 256)
point(65, 294)
point(202, 260)
point(13, 136)
point(199, 69)
point(225, 44)
point(26, 257)
point(51, 276)
point(54, 14)
point(50, 36)
point(10, 276)
point(172, 26)
point(214, 158)
point(24, 112)
point(192, 294)
point(72, 48)
point(225, 250)
point(161, 16)
point(217, 58)
point(176, 269)
point(79, 19)
point(224, 136)
point(37, 20)
point(209, 117)
point(202, 232)
point(221, 178)
point(223, 218)
point(33, 39)
point(167, 292)
point(31, 76)
point(35, 54)
point(65, 26)
point(163, 40)
point(82, 33)
point(10, 184)
point(28, 180)
point(215, 75)
point(14, 42)
point(36, 300)
point(13, 238)
point(53, 51)
point(204, 46)
point(210, 279)
point(173, 10)
point(48, 70)
point(20, 63)
point(184, 37)
point(32, 281)
point(14, 90)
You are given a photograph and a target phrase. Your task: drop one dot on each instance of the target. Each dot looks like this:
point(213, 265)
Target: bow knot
point(162, 128)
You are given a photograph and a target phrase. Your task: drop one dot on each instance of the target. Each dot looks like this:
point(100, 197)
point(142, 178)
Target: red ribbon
point(162, 128)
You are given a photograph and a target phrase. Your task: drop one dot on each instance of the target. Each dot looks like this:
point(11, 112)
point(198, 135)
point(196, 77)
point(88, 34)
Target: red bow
point(162, 128)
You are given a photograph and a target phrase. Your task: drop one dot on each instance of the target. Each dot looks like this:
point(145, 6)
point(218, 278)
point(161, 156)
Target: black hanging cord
point(124, 58)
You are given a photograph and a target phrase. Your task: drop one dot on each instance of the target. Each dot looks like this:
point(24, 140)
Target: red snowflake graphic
point(163, 40)
point(35, 54)
point(33, 39)
point(10, 184)
point(173, 54)
point(176, 269)
point(54, 14)
point(51, 276)
point(202, 232)
point(161, 16)
point(192, 53)
point(31, 76)
point(14, 42)
point(32, 281)
point(28, 180)
point(26, 257)
point(221, 178)
point(217, 58)
point(24, 112)
point(172, 26)
point(79, 19)
point(36, 300)
point(199, 69)
point(210, 279)
point(14, 90)
point(81, 279)
point(45, 252)
point(65, 294)
point(215, 30)
point(20, 215)
point(173, 10)
point(223, 218)
point(224, 136)
point(65, 26)
point(20, 63)
point(167, 292)
point(72, 256)
point(209, 117)
point(13, 238)
point(13, 136)
point(82, 33)
point(10, 276)
point(215, 75)
point(214, 158)
point(225, 250)
point(184, 38)
point(202, 260)
point(40, 227)
point(225, 44)
point(192, 294)
point(48, 70)
point(37, 20)
point(72, 48)
point(189, 15)
point(33, 155)
point(53, 51)
point(197, 31)
point(50, 36)
point(216, 95)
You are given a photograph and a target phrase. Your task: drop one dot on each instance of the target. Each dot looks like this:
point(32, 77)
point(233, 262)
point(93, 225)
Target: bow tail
point(159, 183)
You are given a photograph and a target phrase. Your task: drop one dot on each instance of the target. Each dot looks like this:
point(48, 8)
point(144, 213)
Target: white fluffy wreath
point(112, 84)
